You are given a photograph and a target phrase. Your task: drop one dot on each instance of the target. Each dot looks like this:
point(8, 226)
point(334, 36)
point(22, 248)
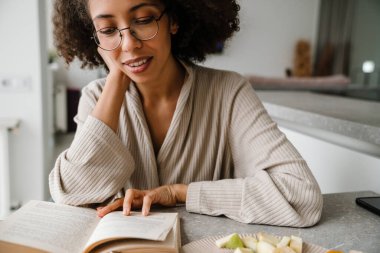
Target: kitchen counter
point(348, 122)
point(343, 223)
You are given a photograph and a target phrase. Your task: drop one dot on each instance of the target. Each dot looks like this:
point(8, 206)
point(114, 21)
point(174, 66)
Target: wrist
point(118, 79)
point(180, 191)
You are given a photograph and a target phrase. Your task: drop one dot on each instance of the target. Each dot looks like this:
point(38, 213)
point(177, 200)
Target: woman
point(161, 130)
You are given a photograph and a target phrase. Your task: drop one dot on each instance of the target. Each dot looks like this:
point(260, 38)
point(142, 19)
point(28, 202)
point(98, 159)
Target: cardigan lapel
point(182, 115)
point(143, 134)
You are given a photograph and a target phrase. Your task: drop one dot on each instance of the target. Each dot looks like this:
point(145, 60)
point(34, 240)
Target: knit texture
point(221, 142)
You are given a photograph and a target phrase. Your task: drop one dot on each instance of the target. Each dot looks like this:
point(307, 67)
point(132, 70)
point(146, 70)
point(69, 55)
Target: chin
point(140, 79)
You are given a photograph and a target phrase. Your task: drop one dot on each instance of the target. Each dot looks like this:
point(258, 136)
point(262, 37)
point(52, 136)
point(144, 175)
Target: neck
point(166, 87)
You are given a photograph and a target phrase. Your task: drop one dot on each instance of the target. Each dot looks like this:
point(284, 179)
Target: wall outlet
point(15, 84)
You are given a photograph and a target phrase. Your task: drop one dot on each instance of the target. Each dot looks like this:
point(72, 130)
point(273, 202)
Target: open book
point(48, 227)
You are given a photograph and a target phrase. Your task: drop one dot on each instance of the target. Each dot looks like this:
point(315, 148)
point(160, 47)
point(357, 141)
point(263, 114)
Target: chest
point(158, 119)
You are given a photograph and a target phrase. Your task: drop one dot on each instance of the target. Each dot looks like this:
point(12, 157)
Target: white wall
point(22, 38)
point(269, 31)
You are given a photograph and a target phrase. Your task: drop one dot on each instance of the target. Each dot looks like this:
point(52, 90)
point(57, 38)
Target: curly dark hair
point(202, 25)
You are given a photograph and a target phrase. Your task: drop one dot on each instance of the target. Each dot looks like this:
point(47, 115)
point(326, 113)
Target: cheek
point(115, 57)
point(165, 42)
point(163, 38)
point(115, 54)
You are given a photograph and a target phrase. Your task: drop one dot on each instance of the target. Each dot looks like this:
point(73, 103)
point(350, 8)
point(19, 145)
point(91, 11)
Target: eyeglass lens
point(142, 29)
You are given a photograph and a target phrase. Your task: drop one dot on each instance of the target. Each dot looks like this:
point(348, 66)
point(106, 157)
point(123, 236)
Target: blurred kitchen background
point(314, 63)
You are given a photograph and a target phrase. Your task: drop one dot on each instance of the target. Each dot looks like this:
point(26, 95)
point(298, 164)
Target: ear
point(173, 27)
point(173, 23)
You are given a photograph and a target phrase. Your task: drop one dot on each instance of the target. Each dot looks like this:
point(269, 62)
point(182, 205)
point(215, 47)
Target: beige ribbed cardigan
point(221, 142)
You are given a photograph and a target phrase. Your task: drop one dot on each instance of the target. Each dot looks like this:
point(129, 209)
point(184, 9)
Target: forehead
point(110, 7)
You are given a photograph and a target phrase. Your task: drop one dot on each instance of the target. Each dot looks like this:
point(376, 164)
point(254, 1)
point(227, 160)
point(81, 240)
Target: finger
point(127, 203)
point(137, 203)
point(147, 202)
point(131, 196)
point(111, 207)
point(99, 208)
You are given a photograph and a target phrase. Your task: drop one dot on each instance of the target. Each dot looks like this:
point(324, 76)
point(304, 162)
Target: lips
point(138, 65)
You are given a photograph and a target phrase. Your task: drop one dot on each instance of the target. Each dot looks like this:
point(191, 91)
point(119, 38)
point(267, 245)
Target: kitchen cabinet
point(338, 137)
point(336, 168)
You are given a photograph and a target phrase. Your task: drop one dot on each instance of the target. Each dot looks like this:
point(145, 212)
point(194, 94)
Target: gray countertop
point(342, 223)
point(349, 118)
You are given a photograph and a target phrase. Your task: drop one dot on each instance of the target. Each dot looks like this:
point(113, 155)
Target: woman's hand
point(115, 73)
point(167, 195)
point(109, 105)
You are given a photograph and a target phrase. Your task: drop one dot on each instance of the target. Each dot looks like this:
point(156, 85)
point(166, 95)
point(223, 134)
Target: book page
point(170, 245)
point(115, 225)
point(50, 227)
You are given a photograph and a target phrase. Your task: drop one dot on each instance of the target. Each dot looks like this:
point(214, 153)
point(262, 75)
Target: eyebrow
point(134, 8)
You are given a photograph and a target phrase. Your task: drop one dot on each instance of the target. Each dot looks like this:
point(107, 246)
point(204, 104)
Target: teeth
point(139, 63)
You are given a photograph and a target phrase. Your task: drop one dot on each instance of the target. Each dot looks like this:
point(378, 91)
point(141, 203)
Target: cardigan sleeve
point(272, 183)
point(96, 165)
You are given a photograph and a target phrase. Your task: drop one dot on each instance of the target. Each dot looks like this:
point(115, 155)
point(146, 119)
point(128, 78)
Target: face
point(142, 60)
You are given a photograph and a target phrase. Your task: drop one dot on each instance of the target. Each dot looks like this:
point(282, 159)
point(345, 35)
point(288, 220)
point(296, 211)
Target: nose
point(128, 41)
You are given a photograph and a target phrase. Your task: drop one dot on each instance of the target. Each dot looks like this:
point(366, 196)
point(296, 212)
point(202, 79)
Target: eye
point(108, 31)
point(144, 20)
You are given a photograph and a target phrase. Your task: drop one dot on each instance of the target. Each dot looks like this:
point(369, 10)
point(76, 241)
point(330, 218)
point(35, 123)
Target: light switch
point(15, 84)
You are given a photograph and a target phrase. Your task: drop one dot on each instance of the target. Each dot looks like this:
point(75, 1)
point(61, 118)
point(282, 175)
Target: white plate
point(207, 245)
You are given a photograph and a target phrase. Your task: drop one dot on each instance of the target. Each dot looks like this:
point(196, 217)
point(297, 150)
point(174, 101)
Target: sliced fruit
point(234, 242)
point(250, 242)
point(268, 238)
point(285, 249)
point(220, 243)
point(296, 243)
point(243, 250)
point(265, 247)
point(284, 242)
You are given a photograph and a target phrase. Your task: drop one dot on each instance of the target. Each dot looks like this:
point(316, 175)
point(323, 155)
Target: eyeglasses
point(110, 38)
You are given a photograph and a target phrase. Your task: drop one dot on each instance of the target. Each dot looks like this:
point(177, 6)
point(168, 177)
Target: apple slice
point(285, 249)
point(231, 241)
point(234, 242)
point(265, 247)
point(243, 250)
point(284, 242)
point(296, 243)
point(220, 243)
point(268, 238)
point(250, 242)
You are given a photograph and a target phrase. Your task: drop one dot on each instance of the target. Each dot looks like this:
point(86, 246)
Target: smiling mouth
point(138, 63)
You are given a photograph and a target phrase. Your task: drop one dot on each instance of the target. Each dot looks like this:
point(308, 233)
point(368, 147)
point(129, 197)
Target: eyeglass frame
point(95, 37)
